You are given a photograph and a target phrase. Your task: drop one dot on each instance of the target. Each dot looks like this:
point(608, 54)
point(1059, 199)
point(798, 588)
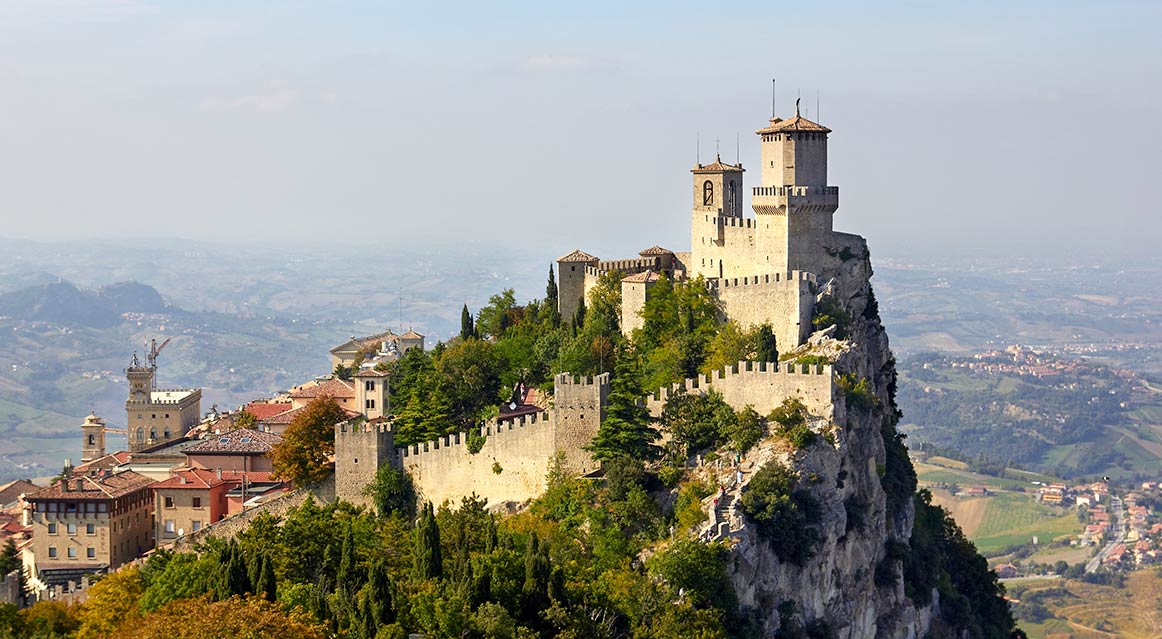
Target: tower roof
point(577, 256)
point(656, 250)
point(718, 166)
point(643, 277)
point(797, 123)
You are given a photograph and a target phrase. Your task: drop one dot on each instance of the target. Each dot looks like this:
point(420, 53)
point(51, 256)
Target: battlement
point(794, 191)
point(763, 385)
point(730, 220)
point(363, 427)
point(457, 443)
point(568, 379)
point(770, 278)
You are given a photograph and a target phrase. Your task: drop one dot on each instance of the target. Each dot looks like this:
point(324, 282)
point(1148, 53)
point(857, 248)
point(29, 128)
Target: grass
point(1011, 518)
point(1085, 611)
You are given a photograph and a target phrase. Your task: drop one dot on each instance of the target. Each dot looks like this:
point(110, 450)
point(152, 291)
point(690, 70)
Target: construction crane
point(155, 350)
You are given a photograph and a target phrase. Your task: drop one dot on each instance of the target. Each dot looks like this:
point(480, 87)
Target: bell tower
point(717, 205)
point(794, 206)
point(93, 434)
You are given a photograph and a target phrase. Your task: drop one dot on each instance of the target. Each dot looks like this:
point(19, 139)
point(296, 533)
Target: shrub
point(747, 430)
point(787, 518)
point(812, 360)
point(857, 391)
point(792, 419)
point(474, 440)
point(828, 312)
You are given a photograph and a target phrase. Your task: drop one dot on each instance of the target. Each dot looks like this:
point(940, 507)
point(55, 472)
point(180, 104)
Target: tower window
point(92, 439)
point(707, 193)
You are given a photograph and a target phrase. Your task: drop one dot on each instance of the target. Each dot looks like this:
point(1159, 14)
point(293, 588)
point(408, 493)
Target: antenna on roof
point(717, 152)
point(798, 96)
point(817, 116)
point(697, 149)
point(772, 98)
point(737, 155)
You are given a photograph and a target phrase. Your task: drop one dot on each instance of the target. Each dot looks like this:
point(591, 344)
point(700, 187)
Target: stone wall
point(511, 466)
point(764, 386)
point(785, 301)
point(360, 449)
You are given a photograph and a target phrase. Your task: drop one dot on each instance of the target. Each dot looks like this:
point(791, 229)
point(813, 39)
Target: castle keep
point(762, 269)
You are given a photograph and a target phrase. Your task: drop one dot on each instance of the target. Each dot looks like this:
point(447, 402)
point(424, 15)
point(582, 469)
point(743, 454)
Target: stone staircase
point(723, 514)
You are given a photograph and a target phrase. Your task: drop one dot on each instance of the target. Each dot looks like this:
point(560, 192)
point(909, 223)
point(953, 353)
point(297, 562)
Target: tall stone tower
point(361, 447)
point(717, 213)
point(794, 206)
point(571, 282)
point(157, 416)
point(93, 442)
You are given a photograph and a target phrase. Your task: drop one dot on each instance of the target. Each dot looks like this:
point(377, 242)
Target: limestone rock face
point(837, 586)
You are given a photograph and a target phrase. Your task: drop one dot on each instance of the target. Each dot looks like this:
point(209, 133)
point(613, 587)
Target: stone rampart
point(510, 466)
point(783, 300)
point(764, 386)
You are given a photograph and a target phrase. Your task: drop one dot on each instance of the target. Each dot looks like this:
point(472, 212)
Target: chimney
point(219, 473)
point(181, 479)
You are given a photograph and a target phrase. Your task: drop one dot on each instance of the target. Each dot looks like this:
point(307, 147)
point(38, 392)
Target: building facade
point(157, 415)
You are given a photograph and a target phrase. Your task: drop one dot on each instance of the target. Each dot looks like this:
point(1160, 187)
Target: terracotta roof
point(577, 256)
point(797, 123)
point(95, 486)
point(200, 478)
point(336, 388)
point(644, 276)
point(370, 372)
point(12, 491)
point(365, 343)
point(412, 335)
point(240, 441)
point(262, 410)
point(770, 128)
point(289, 416)
point(656, 250)
point(716, 167)
point(112, 460)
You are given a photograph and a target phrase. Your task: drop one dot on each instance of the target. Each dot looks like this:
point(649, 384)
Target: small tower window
point(707, 193)
point(92, 439)
point(731, 200)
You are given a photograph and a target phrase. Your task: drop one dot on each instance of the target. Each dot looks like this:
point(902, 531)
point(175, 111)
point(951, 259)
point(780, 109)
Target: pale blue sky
point(959, 127)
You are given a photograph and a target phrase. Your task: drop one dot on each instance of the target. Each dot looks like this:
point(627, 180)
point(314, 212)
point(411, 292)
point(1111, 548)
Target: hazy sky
point(1034, 128)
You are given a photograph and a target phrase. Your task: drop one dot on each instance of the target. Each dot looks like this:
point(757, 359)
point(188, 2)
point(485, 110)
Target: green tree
point(467, 327)
point(392, 491)
point(344, 373)
point(728, 347)
point(468, 380)
point(747, 430)
point(497, 316)
point(551, 299)
point(428, 562)
point(767, 350)
point(303, 455)
point(245, 419)
point(787, 518)
point(604, 309)
point(626, 429)
point(697, 421)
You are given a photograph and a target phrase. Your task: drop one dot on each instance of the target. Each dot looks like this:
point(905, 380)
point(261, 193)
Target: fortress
point(764, 269)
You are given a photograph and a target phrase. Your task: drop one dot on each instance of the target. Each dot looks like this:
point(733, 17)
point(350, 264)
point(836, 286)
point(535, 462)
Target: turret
point(571, 270)
point(93, 438)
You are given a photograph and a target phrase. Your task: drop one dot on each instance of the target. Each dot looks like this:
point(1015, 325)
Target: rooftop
point(112, 460)
point(656, 250)
point(170, 395)
point(371, 342)
point(12, 491)
point(718, 166)
point(334, 387)
point(289, 416)
point(370, 372)
point(797, 123)
point(96, 486)
point(644, 276)
point(240, 441)
point(577, 256)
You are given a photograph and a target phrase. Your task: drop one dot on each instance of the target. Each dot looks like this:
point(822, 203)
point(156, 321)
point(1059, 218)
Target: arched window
point(92, 439)
point(165, 433)
point(707, 193)
point(152, 433)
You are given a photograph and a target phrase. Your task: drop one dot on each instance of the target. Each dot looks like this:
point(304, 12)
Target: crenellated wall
point(784, 300)
point(764, 386)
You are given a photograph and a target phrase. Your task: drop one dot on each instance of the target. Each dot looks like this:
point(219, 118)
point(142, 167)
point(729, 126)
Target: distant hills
point(64, 304)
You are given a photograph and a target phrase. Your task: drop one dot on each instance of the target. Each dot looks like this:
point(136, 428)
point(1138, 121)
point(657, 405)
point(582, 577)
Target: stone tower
point(571, 282)
point(372, 393)
point(93, 442)
point(578, 410)
point(717, 212)
point(157, 416)
point(361, 447)
point(794, 206)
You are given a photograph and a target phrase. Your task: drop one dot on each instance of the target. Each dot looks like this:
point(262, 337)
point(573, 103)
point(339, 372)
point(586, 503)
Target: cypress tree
point(378, 593)
point(579, 316)
point(428, 563)
point(626, 430)
point(534, 591)
point(467, 327)
point(267, 584)
point(767, 349)
point(349, 577)
point(551, 289)
point(233, 580)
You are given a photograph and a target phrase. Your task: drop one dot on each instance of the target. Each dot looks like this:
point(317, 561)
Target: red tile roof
point(95, 486)
point(243, 441)
point(370, 372)
point(200, 478)
point(112, 460)
point(334, 387)
point(12, 491)
point(716, 167)
point(577, 256)
point(262, 410)
point(283, 419)
point(656, 250)
point(797, 123)
point(644, 276)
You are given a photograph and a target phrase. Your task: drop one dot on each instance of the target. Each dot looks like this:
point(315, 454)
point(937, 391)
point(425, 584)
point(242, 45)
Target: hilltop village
point(770, 325)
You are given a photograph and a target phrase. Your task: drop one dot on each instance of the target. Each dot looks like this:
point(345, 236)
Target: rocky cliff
point(854, 585)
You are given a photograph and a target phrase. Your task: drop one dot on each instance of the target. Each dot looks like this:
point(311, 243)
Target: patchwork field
point(1078, 610)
